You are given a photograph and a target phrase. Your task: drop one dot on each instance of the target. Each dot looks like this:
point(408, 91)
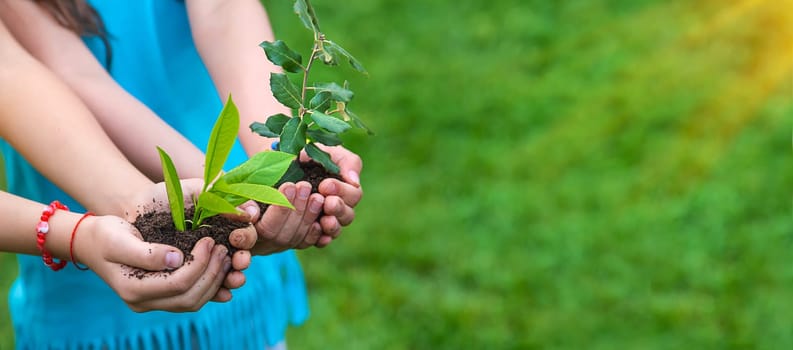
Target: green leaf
point(306, 14)
point(293, 137)
point(173, 188)
point(276, 122)
point(280, 54)
point(322, 157)
point(330, 123)
point(320, 101)
point(347, 113)
point(284, 90)
point(262, 130)
point(259, 193)
point(264, 168)
point(221, 141)
point(272, 127)
point(324, 137)
point(336, 91)
point(210, 204)
point(214, 203)
point(335, 50)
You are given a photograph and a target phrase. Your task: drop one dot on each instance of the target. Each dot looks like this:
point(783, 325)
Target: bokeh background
point(573, 174)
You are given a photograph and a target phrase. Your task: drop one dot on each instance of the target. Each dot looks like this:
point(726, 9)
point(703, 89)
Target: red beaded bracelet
point(41, 235)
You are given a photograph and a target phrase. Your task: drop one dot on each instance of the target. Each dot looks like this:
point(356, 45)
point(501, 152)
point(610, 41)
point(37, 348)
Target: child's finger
point(350, 194)
point(243, 238)
point(274, 218)
point(336, 207)
point(134, 252)
point(234, 280)
point(192, 293)
point(140, 292)
point(223, 295)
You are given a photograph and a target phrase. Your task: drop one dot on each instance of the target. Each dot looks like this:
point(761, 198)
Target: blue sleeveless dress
point(155, 59)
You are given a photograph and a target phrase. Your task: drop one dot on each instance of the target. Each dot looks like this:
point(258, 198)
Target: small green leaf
point(335, 50)
point(347, 113)
point(214, 203)
point(173, 188)
point(306, 14)
point(322, 157)
point(221, 140)
point(210, 204)
point(320, 101)
point(264, 168)
point(337, 92)
point(284, 90)
point(330, 123)
point(324, 137)
point(262, 130)
point(259, 193)
point(276, 122)
point(293, 137)
point(272, 127)
point(280, 54)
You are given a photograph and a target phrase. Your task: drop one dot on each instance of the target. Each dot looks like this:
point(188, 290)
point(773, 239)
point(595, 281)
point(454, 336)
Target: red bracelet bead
point(41, 235)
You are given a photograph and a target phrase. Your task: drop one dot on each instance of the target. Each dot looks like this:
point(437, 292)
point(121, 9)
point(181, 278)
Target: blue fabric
point(154, 58)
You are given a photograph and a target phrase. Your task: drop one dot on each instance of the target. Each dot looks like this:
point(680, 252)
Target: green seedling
point(222, 193)
point(320, 110)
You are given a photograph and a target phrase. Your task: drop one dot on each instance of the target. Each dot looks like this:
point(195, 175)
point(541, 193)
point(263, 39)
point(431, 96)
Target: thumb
point(147, 256)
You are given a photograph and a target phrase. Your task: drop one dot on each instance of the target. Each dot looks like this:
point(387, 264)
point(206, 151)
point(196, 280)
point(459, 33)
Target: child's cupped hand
point(150, 276)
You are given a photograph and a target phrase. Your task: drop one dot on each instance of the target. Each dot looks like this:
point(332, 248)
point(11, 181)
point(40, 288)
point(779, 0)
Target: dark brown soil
point(158, 227)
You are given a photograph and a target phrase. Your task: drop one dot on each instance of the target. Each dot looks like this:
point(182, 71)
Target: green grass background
point(559, 175)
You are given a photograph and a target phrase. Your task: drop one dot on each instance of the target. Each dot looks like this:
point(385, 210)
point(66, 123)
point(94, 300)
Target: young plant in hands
point(221, 193)
point(320, 110)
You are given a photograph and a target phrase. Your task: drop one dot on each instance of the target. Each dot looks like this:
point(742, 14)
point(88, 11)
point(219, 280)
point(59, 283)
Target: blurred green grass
point(561, 175)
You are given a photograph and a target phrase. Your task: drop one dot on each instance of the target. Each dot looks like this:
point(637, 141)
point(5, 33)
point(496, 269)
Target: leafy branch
point(320, 110)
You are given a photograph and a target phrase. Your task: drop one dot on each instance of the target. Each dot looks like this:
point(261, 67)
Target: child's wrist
point(62, 229)
point(56, 240)
point(80, 236)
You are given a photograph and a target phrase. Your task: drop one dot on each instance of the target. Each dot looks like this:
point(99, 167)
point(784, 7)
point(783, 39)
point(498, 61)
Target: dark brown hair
point(79, 17)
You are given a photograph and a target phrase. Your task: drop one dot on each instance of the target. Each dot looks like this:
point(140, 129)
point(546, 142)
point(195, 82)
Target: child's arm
point(105, 244)
point(135, 128)
point(220, 27)
point(62, 140)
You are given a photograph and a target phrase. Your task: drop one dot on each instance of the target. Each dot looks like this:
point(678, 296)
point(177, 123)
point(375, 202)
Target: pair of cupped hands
point(111, 247)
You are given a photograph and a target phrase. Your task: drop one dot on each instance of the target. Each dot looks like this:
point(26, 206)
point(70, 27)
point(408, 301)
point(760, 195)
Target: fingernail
point(226, 265)
point(331, 187)
point(173, 259)
point(223, 251)
point(251, 210)
point(353, 176)
point(316, 205)
point(289, 192)
point(305, 192)
point(209, 243)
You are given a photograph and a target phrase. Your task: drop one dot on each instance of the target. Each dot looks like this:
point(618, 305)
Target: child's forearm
point(134, 128)
point(55, 132)
point(238, 27)
point(19, 217)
